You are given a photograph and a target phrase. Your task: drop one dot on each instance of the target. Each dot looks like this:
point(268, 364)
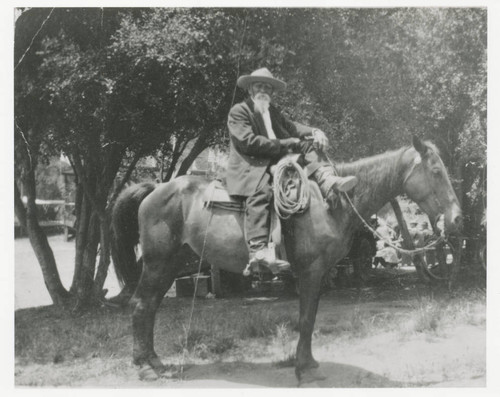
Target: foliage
point(108, 86)
point(379, 73)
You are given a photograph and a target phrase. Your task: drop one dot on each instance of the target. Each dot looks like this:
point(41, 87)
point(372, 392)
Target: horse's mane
point(376, 161)
point(381, 173)
point(377, 174)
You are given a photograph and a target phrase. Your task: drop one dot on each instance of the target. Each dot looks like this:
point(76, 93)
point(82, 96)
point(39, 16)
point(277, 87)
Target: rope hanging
point(291, 188)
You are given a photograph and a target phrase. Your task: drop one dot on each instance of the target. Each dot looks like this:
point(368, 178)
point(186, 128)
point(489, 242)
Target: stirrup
point(266, 257)
point(276, 267)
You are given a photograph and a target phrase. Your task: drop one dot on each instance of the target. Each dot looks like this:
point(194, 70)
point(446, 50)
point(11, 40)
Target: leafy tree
point(109, 86)
point(379, 76)
point(106, 86)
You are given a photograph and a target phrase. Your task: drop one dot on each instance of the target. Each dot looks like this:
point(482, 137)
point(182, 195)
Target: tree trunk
point(38, 240)
point(86, 244)
point(104, 258)
point(93, 226)
point(83, 214)
point(84, 284)
point(473, 210)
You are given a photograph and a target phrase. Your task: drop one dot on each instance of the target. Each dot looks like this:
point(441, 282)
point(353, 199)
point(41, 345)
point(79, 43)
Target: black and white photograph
point(243, 196)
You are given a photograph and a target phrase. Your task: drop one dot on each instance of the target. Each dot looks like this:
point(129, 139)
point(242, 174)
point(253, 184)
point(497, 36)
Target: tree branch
point(179, 148)
point(199, 146)
point(86, 186)
point(125, 179)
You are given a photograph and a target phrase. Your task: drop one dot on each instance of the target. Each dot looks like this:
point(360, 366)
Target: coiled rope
point(289, 177)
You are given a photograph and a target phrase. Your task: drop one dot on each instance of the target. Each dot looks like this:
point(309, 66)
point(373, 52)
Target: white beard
point(262, 102)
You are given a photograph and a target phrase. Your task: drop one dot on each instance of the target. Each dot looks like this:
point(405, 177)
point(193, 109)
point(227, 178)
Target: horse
point(170, 219)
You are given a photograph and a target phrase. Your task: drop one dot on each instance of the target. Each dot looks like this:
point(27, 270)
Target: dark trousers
point(258, 204)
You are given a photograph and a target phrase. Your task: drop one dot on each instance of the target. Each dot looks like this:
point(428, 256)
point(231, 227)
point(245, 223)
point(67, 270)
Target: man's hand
point(290, 143)
point(320, 141)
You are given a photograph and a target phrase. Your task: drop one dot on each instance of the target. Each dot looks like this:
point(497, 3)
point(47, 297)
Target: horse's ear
point(419, 145)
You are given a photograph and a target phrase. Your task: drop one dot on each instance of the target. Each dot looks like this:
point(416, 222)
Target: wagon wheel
point(445, 271)
point(439, 271)
point(363, 268)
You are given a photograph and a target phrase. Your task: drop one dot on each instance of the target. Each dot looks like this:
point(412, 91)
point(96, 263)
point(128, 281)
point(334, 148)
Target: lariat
point(291, 188)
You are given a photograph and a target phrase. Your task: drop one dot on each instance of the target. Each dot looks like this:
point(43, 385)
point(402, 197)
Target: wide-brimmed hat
point(261, 75)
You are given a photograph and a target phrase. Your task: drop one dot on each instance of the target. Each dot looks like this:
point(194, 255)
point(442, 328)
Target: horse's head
point(427, 183)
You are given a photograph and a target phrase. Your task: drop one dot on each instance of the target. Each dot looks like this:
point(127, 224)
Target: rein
point(412, 252)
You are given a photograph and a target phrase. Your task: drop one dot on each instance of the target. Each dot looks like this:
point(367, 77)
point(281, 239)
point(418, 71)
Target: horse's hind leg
point(157, 277)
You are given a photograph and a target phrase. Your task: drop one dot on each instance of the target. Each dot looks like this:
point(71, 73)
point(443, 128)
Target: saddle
point(286, 188)
point(216, 196)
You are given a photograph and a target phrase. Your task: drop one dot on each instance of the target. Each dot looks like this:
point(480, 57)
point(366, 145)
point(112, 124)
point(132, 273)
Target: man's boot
point(262, 254)
point(328, 181)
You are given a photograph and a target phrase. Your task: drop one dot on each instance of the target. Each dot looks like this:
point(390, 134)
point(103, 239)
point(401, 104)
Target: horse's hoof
point(152, 369)
point(163, 371)
point(169, 372)
point(148, 374)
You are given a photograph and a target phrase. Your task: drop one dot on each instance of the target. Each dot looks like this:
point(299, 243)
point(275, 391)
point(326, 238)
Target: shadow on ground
point(241, 374)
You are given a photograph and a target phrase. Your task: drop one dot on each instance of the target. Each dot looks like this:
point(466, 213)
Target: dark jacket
point(251, 151)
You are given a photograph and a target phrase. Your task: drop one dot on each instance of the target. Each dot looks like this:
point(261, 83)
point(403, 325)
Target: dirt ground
point(453, 357)
point(30, 290)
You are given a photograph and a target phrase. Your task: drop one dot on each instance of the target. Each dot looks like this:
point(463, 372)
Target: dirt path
point(29, 286)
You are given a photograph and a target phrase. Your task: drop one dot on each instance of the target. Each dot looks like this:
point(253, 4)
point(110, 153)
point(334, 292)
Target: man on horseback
point(259, 136)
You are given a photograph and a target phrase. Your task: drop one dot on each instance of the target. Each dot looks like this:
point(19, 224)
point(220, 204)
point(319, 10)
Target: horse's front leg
point(306, 367)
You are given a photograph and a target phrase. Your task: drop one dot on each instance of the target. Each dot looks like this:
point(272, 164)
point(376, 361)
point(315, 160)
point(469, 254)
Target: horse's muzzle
point(455, 223)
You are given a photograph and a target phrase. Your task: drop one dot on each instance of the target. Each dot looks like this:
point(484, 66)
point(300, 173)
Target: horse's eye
point(436, 171)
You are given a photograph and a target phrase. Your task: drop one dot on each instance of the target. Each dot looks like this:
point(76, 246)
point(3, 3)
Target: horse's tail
point(125, 236)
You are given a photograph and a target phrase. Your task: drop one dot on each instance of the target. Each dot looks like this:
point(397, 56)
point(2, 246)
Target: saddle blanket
point(216, 196)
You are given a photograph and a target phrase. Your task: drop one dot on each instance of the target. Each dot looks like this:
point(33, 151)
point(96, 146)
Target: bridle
point(412, 252)
point(417, 161)
point(442, 238)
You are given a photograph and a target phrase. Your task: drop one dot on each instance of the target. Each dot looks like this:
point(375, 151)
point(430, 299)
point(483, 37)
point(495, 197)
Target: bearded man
point(259, 136)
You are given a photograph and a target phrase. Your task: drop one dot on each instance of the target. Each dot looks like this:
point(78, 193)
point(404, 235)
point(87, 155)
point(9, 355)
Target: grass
point(239, 329)
point(283, 339)
point(219, 329)
point(215, 329)
point(45, 335)
point(435, 316)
